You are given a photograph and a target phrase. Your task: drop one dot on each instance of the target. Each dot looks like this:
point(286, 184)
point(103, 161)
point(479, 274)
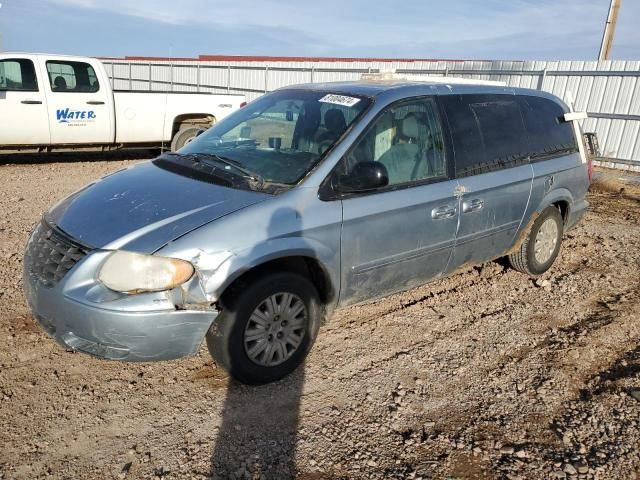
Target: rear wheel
point(184, 136)
point(542, 245)
point(266, 328)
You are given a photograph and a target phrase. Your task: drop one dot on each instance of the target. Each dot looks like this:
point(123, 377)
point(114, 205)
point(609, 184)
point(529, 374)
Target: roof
point(375, 88)
point(5, 54)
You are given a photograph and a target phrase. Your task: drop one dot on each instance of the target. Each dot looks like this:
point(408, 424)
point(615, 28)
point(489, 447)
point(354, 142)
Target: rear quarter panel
point(560, 179)
point(143, 117)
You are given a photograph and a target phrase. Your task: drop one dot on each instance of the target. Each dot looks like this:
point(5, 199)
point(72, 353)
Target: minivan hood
point(144, 207)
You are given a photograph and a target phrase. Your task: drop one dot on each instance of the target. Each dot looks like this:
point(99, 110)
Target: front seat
point(404, 159)
point(59, 84)
point(336, 125)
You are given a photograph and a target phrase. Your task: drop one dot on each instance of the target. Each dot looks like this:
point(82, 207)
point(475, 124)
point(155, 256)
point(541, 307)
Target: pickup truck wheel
point(184, 136)
point(542, 245)
point(266, 328)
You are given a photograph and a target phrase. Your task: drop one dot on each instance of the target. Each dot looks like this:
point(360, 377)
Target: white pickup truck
point(59, 103)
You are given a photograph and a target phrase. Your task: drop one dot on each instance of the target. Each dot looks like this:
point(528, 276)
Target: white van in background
point(60, 103)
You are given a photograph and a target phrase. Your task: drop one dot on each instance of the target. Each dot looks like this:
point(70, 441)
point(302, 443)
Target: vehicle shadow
point(258, 434)
point(68, 157)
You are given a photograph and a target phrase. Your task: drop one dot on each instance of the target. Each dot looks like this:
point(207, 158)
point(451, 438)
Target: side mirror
point(365, 176)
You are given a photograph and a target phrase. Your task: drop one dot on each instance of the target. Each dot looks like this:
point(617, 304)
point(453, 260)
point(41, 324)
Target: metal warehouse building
point(608, 90)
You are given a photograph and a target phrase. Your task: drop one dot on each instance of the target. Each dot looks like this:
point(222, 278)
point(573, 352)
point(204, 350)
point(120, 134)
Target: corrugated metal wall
point(608, 90)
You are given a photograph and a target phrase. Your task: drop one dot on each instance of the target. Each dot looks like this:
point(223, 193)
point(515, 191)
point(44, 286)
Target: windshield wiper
point(256, 177)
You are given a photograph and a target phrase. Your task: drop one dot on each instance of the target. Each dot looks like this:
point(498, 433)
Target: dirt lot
point(487, 374)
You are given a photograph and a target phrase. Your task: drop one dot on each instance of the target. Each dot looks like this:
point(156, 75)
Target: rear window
point(72, 77)
point(18, 74)
point(488, 132)
point(549, 136)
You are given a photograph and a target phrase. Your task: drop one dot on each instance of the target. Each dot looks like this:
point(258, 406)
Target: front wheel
point(266, 328)
point(542, 246)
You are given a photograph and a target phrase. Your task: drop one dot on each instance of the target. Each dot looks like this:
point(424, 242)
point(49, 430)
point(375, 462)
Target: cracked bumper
point(84, 316)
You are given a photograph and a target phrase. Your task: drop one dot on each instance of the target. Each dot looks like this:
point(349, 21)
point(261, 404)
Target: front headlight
point(130, 272)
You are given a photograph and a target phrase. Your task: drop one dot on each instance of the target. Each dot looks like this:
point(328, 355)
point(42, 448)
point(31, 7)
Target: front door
point(23, 105)
point(403, 234)
point(80, 108)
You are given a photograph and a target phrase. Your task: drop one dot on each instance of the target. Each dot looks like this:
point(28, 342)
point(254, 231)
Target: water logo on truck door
point(75, 117)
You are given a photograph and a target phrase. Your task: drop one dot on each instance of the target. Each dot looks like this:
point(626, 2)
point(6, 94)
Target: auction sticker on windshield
point(339, 100)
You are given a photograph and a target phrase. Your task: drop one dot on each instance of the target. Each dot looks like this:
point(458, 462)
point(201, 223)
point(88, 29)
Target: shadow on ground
point(70, 157)
point(258, 433)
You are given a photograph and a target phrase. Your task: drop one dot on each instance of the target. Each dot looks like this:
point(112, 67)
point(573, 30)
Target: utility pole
point(0, 33)
point(609, 30)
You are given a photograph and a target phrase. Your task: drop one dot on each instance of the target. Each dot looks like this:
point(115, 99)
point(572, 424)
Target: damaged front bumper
point(82, 314)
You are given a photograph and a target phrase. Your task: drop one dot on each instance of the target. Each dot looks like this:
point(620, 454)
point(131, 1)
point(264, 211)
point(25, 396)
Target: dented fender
point(215, 271)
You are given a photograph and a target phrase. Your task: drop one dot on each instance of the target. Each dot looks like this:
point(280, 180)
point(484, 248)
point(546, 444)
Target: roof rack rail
point(385, 75)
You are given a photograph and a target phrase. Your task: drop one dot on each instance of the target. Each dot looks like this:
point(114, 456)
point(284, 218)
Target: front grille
point(51, 254)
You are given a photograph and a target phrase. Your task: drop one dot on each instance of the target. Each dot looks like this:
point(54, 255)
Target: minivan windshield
point(279, 137)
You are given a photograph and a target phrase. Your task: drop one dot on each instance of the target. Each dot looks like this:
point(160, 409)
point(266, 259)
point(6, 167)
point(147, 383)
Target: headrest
point(334, 120)
point(60, 83)
point(410, 126)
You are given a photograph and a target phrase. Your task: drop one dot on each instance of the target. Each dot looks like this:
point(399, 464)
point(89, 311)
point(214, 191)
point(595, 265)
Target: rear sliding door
point(493, 171)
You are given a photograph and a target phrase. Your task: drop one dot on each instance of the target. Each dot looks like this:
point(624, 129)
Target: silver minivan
point(311, 197)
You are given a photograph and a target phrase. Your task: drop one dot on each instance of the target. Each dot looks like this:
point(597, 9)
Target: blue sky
point(460, 29)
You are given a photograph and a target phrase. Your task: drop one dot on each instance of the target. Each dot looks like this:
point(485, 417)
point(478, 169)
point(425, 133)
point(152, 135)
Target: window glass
point(465, 134)
point(320, 125)
point(549, 135)
point(488, 133)
point(334, 119)
point(18, 74)
point(407, 140)
point(502, 131)
point(278, 121)
point(72, 77)
point(282, 134)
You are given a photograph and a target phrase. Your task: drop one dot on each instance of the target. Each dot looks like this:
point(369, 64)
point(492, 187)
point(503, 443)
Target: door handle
point(95, 102)
point(472, 205)
point(443, 212)
point(31, 102)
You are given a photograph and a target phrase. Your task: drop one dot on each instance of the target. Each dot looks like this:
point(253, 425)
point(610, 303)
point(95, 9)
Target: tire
point(184, 136)
point(526, 260)
point(226, 338)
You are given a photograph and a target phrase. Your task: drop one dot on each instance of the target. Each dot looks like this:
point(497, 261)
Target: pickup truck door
point(23, 105)
point(80, 102)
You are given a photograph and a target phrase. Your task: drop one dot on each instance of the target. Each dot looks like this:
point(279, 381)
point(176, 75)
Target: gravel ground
point(487, 374)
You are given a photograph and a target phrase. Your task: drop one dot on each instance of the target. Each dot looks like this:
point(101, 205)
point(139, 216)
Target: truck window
point(18, 74)
point(72, 77)
point(488, 133)
point(548, 135)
